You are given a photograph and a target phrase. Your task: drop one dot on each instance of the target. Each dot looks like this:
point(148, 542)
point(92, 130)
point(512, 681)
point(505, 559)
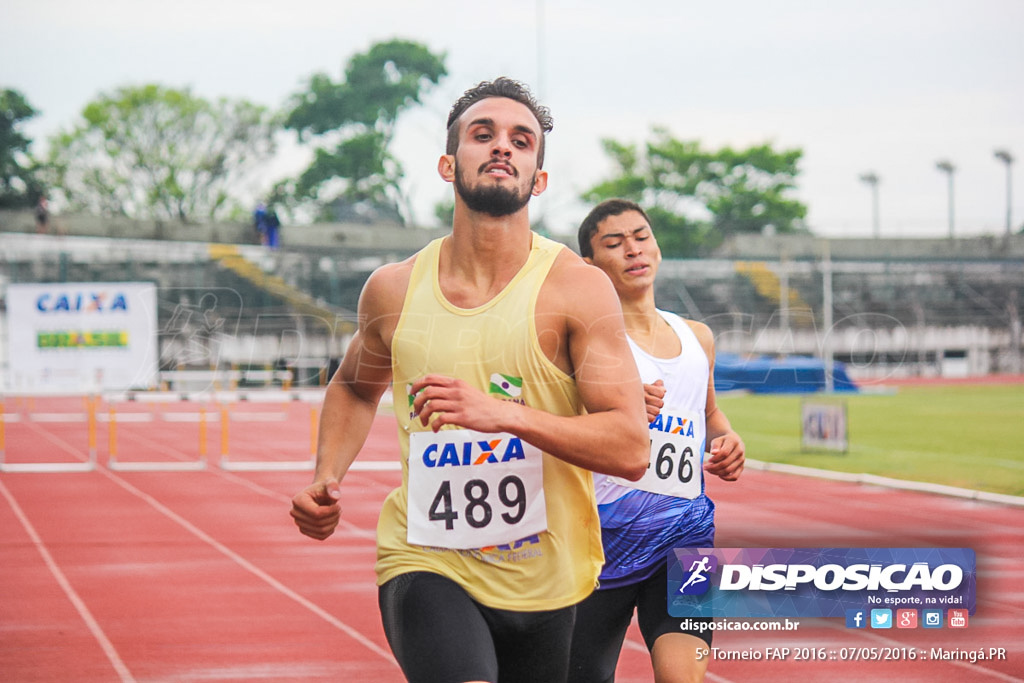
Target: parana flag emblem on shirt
point(506, 386)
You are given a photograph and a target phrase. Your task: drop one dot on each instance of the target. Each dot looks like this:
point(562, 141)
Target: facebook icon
point(856, 618)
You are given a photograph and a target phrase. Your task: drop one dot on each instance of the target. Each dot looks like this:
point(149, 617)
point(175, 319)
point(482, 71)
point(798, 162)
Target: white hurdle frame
point(156, 397)
point(89, 417)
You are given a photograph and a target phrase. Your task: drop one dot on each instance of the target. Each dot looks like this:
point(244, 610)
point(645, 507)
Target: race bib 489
point(471, 489)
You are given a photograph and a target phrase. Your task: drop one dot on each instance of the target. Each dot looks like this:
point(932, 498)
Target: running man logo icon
point(697, 581)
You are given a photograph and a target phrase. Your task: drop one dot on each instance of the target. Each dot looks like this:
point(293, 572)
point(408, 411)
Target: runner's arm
point(350, 405)
point(727, 450)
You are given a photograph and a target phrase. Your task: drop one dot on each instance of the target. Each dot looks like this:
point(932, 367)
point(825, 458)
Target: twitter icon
point(881, 618)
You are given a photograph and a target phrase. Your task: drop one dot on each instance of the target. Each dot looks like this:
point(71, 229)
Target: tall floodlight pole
point(826, 315)
point(1005, 157)
point(948, 168)
point(540, 49)
point(872, 180)
point(539, 212)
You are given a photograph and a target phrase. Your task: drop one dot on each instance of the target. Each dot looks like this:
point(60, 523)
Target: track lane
point(178, 607)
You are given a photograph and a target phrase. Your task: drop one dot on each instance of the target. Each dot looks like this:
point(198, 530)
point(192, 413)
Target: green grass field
point(968, 436)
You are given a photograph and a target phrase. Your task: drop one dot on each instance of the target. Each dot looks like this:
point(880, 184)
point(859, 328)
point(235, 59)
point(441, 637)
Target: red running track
point(200, 575)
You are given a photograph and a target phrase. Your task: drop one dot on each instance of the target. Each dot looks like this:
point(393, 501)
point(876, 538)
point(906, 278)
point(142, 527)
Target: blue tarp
point(773, 375)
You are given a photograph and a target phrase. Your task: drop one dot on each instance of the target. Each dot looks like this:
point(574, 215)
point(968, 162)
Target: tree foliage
point(162, 153)
point(352, 124)
point(697, 198)
point(19, 186)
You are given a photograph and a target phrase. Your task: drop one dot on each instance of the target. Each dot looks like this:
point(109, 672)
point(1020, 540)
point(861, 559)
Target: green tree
point(155, 152)
point(19, 185)
point(353, 122)
point(444, 211)
point(697, 198)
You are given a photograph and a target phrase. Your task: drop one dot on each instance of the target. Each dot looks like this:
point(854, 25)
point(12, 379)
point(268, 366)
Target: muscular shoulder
point(577, 307)
point(577, 287)
point(381, 301)
point(384, 291)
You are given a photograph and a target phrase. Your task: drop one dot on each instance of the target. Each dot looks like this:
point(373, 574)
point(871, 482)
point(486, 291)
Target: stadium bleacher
point(911, 304)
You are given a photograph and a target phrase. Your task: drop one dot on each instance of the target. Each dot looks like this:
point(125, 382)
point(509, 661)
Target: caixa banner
point(817, 582)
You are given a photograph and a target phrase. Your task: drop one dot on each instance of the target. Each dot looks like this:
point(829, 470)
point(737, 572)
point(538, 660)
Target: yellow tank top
point(493, 347)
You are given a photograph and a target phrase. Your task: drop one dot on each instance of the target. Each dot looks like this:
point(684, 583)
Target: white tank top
point(686, 391)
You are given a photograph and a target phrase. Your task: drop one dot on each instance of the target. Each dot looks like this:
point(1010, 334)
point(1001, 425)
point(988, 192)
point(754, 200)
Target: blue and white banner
point(817, 582)
point(81, 336)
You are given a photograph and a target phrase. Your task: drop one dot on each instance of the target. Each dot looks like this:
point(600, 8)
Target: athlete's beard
point(493, 200)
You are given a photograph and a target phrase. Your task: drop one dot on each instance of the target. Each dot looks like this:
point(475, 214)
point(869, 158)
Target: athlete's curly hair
point(499, 87)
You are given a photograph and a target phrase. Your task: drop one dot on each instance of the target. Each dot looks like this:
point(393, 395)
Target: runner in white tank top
point(642, 521)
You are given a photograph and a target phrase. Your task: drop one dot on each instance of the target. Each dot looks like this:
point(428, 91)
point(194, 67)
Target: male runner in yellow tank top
point(512, 377)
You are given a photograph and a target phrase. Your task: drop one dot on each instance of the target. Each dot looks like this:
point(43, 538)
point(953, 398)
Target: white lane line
point(62, 444)
point(250, 567)
point(368, 534)
point(83, 611)
point(887, 482)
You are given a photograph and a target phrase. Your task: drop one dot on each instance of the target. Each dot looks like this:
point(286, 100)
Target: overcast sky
point(889, 86)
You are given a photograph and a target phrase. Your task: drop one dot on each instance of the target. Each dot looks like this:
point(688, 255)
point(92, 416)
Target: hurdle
point(264, 396)
point(88, 416)
point(155, 399)
point(212, 410)
point(218, 380)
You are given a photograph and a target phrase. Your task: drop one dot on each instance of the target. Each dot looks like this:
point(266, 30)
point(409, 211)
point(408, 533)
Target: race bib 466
point(677, 446)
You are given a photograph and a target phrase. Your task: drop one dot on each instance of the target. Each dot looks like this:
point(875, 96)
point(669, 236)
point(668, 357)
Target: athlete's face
point(495, 167)
point(625, 249)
